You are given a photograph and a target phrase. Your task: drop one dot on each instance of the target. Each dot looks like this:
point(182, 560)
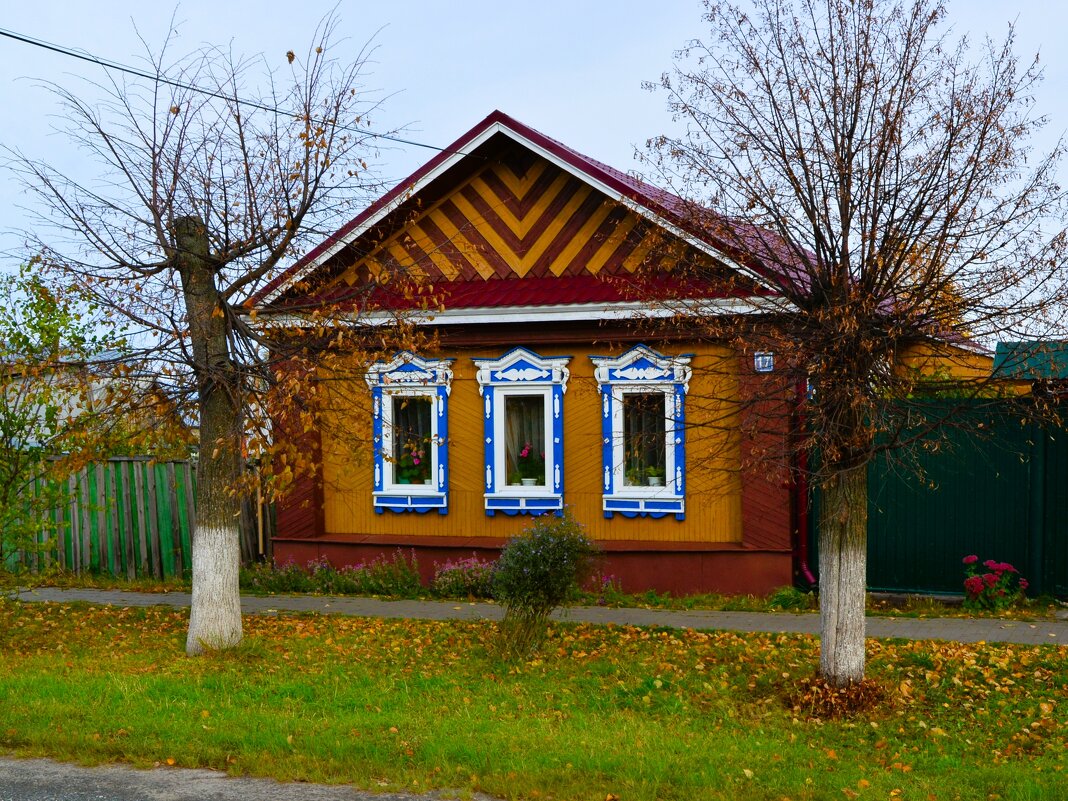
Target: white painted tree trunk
point(843, 572)
point(215, 613)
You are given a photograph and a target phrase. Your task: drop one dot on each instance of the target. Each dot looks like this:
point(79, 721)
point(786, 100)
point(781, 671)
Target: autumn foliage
point(640, 713)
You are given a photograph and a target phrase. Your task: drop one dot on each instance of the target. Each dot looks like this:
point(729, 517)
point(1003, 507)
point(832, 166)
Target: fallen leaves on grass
point(816, 698)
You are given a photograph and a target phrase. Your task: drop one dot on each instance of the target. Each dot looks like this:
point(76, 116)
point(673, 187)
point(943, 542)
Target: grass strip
point(636, 713)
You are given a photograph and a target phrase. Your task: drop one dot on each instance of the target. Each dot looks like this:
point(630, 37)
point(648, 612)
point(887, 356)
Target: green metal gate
point(997, 488)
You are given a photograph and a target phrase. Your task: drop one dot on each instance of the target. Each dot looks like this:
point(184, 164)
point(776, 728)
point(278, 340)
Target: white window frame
point(500, 443)
point(643, 370)
point(408, 375)
point(619, 444)
point(521, 372)
point(389, 482)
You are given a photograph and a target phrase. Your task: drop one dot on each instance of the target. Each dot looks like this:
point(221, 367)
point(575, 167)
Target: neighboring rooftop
point(1032, 361)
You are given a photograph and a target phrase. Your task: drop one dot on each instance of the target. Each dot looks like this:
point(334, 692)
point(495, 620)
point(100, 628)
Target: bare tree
point(882, 181)
point(205, 190)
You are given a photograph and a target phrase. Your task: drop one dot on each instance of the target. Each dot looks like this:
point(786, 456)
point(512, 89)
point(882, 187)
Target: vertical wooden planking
point(87, 529)
point(62, 529)
point(138, 516)
point(75, 527)
point(153, 520)
point(111, 488)
point(110, 516)
point(190, 511)
point(40, 537)
point(127, 517)
point(48, 528)
point(176, 523)
point(99, 503)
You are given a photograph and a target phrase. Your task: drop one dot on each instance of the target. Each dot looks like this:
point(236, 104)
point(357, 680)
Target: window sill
point(411, 498)
point(654, 502)
point(523, 501)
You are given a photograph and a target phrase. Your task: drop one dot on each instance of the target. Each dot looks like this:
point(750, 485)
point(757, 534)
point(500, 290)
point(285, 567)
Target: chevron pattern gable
point(518, 216)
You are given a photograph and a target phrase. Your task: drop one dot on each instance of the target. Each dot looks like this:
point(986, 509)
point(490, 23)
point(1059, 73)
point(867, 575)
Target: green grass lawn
point(636, 713)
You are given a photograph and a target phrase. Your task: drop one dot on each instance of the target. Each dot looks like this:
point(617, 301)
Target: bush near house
point(397, 577)
point(466, 578)
point(538, 571)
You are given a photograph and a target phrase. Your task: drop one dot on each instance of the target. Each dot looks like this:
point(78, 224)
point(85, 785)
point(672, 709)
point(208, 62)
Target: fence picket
point(154, 542)
point(138, 517)
point(87, 533)
point(75, 528)
point(190, 509)
point(124, 470)
point(176, 522)
point(126, 516)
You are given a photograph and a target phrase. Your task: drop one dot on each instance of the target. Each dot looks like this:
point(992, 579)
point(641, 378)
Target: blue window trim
point(642, 369)
point(518, 372)
point(411, 375)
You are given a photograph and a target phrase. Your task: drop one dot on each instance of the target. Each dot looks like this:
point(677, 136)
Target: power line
point(160, 78)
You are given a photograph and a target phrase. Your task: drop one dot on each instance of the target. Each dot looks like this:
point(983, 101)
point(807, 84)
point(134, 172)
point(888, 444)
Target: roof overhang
point(495, 124)
point(567, 312)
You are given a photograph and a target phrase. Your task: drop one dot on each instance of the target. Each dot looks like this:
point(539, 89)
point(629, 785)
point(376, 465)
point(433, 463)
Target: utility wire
point(160, 78)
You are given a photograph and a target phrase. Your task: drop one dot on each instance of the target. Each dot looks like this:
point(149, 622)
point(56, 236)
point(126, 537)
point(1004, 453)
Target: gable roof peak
point(661, 207)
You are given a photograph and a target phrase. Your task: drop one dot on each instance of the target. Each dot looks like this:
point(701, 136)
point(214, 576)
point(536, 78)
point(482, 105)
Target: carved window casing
point(523, 423)
point(410, 406)
point(643, 432)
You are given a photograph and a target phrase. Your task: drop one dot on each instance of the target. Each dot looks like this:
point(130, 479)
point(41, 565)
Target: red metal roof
point(541, 291)
point(693, 219)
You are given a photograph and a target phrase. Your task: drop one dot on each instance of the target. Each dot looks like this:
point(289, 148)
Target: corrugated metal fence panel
point(970, 498)
point(1001, 493)
point(1054, 556)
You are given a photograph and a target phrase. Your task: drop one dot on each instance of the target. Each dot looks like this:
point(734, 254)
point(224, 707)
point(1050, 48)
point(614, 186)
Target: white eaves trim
point(474, 143)
point(566, 312)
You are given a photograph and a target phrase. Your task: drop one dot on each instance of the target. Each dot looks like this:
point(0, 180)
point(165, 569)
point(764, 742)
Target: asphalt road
point(45, 780)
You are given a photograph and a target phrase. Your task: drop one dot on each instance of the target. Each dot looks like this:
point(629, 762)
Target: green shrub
point(993, 586)
point(466, 578)
point(265, 577)
point(538, 571)
point(790, 598)
point(397, 577)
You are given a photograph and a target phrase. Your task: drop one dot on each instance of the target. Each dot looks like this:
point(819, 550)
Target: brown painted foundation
point(681, 569)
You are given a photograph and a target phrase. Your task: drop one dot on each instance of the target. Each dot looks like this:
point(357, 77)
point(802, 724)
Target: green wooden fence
point(1002, 495)
point(129, 517)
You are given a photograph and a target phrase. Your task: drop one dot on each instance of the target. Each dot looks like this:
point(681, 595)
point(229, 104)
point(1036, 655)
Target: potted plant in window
point(413, 467)
point(531, 466)
point(654, 475)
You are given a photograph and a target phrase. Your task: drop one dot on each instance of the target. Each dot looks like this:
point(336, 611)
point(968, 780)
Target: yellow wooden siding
point(955, 362)
point(713, 498)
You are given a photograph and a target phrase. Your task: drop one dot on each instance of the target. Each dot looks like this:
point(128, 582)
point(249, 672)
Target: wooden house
point(547, 386)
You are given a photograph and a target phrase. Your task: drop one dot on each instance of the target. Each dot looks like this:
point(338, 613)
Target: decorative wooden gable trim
point(686, 228)
point(521, 216)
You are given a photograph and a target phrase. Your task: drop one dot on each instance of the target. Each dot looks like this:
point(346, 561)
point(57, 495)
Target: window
point(523, 397)
point(408, 440)
point(409, 397)
point(644, 444)
point(643, 432)
point(524, 439)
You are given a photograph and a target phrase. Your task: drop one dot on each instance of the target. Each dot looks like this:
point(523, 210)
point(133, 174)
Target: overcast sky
point(571, 68)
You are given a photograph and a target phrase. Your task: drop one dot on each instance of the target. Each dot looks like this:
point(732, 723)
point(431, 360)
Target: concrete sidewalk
point(1046, 632)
